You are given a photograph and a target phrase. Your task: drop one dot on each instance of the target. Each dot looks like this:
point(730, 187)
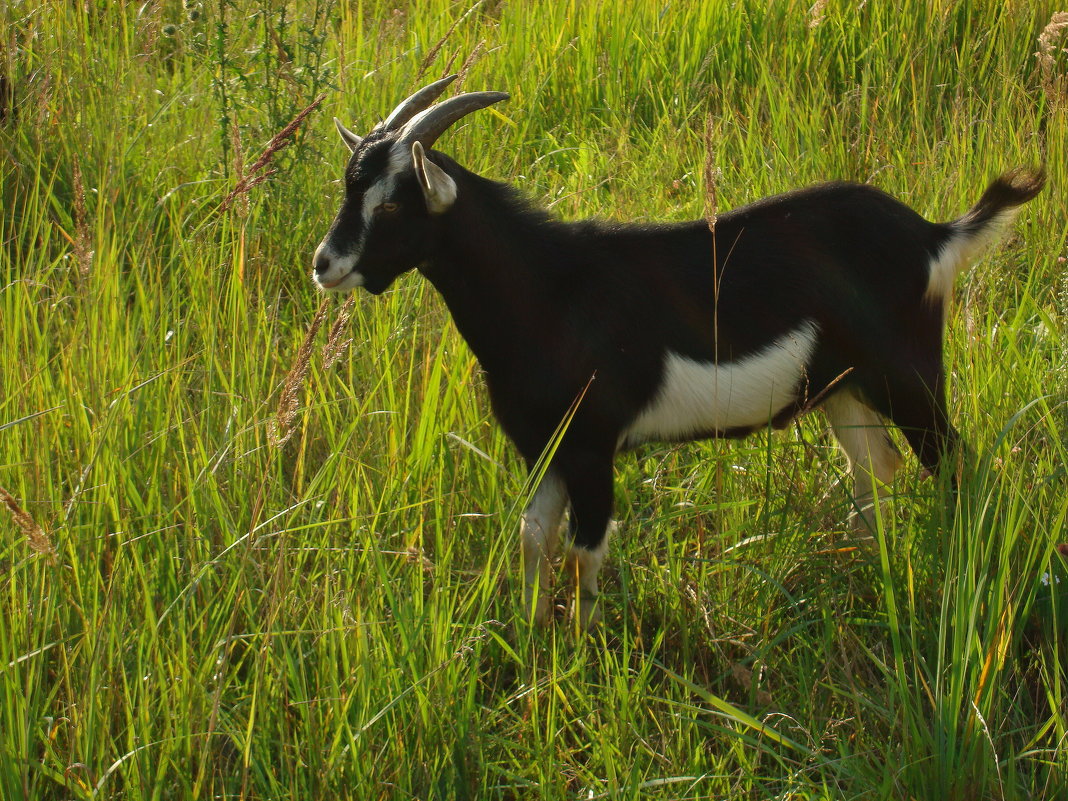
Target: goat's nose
point(321, 263)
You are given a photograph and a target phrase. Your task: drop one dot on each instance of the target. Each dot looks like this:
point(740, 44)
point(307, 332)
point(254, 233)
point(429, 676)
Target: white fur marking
point(861, 432)
point(698, 397)
point(587, 564)
point(381, 190)
point(540, 532)
point(959, 251)
point(341, 276)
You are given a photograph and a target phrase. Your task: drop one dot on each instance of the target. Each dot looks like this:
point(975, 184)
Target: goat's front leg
point(589, 485)
point(540, 532)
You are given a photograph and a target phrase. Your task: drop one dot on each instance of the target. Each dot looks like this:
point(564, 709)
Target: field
point(220, 579)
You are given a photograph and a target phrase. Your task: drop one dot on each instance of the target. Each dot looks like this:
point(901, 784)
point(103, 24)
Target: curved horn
point(428, 125)
point(351, 140)
point(416, 103)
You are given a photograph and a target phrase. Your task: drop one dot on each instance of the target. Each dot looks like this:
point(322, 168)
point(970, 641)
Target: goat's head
point(393, 192)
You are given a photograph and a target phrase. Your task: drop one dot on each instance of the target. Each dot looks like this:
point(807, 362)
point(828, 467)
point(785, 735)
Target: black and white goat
point(831, 296)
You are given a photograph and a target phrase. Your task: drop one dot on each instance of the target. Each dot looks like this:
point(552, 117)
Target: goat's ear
point(351, 140)
point(438, 188)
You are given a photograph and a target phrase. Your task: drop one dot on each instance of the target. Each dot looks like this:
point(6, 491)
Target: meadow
point(222, 579)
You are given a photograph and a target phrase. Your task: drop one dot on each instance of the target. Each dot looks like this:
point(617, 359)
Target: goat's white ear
point(351, 140)
point(438, 188)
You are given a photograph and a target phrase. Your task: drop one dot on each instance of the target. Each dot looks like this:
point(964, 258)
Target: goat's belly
point(699, 399)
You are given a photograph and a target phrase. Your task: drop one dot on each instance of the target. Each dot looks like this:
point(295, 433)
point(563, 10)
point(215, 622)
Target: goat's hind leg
point(919, 410)
point(873, 457)
point(925, 423)
point(917, 405)
point(540, 533)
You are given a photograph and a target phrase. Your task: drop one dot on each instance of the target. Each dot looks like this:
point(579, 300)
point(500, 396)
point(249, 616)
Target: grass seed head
point(817, 13)
point(253, 177)
point(36, 537)
point(711, 177)
point(335, 346)
point(281, 427)
point(469, 62)
point(83, 238)
point(239, 169)
point(433, 52)
point(1052, 57)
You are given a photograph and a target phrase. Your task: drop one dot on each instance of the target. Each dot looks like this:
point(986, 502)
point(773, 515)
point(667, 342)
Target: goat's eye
point(386, 208)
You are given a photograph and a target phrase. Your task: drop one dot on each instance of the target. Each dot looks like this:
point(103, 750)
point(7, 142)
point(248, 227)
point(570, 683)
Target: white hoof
point(586, 610)
point(538, 613)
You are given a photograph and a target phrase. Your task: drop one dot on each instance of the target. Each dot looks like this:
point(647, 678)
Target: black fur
point(553, 310)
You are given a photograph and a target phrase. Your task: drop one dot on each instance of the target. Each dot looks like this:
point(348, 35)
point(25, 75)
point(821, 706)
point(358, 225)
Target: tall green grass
point(339, 616)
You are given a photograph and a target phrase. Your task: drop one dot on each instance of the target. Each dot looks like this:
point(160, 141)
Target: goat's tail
point(980, 226)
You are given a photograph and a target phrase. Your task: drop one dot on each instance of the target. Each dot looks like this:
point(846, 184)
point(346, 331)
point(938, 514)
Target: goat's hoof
point(586, 610)
point(541, 613)
point(864, 520)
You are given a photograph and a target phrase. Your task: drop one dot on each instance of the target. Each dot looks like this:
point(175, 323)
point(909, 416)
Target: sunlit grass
point(339, 616)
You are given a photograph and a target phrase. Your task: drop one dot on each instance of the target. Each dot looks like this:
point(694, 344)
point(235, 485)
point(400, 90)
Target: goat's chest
point(708, 398)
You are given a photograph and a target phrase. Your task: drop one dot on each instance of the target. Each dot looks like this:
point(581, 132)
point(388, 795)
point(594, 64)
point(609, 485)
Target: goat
point(830, 296)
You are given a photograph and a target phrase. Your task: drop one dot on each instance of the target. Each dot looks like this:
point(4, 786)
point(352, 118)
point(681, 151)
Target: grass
point(192, 610)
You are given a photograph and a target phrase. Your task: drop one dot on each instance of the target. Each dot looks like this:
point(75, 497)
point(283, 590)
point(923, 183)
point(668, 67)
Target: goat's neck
point(489, 275)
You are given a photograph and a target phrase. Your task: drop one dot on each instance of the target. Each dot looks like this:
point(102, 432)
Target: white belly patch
point(705, 397)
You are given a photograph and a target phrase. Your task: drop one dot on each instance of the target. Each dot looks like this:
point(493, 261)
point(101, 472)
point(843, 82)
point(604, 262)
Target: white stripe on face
point(704, 397)
point(342, 275)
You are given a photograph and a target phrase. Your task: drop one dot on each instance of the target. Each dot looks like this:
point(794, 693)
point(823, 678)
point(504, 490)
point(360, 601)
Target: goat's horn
point(428, 125)
point(416, 103)
point(351, 140)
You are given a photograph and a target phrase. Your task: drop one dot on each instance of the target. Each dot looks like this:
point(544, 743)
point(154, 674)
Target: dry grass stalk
point(1051, 56)
point(285, 63)
point(430, 56)
point(335, 346)
point(83, 251)
point(711, 175)
point(254, 177)
point(7, 98)
point(469, 62)
point(43, 102)
point(391, 28)
point(447, 70)
point(38, 540)
point(434, 52)
point(239, 168)
point(281, 428)
point(149, 23)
